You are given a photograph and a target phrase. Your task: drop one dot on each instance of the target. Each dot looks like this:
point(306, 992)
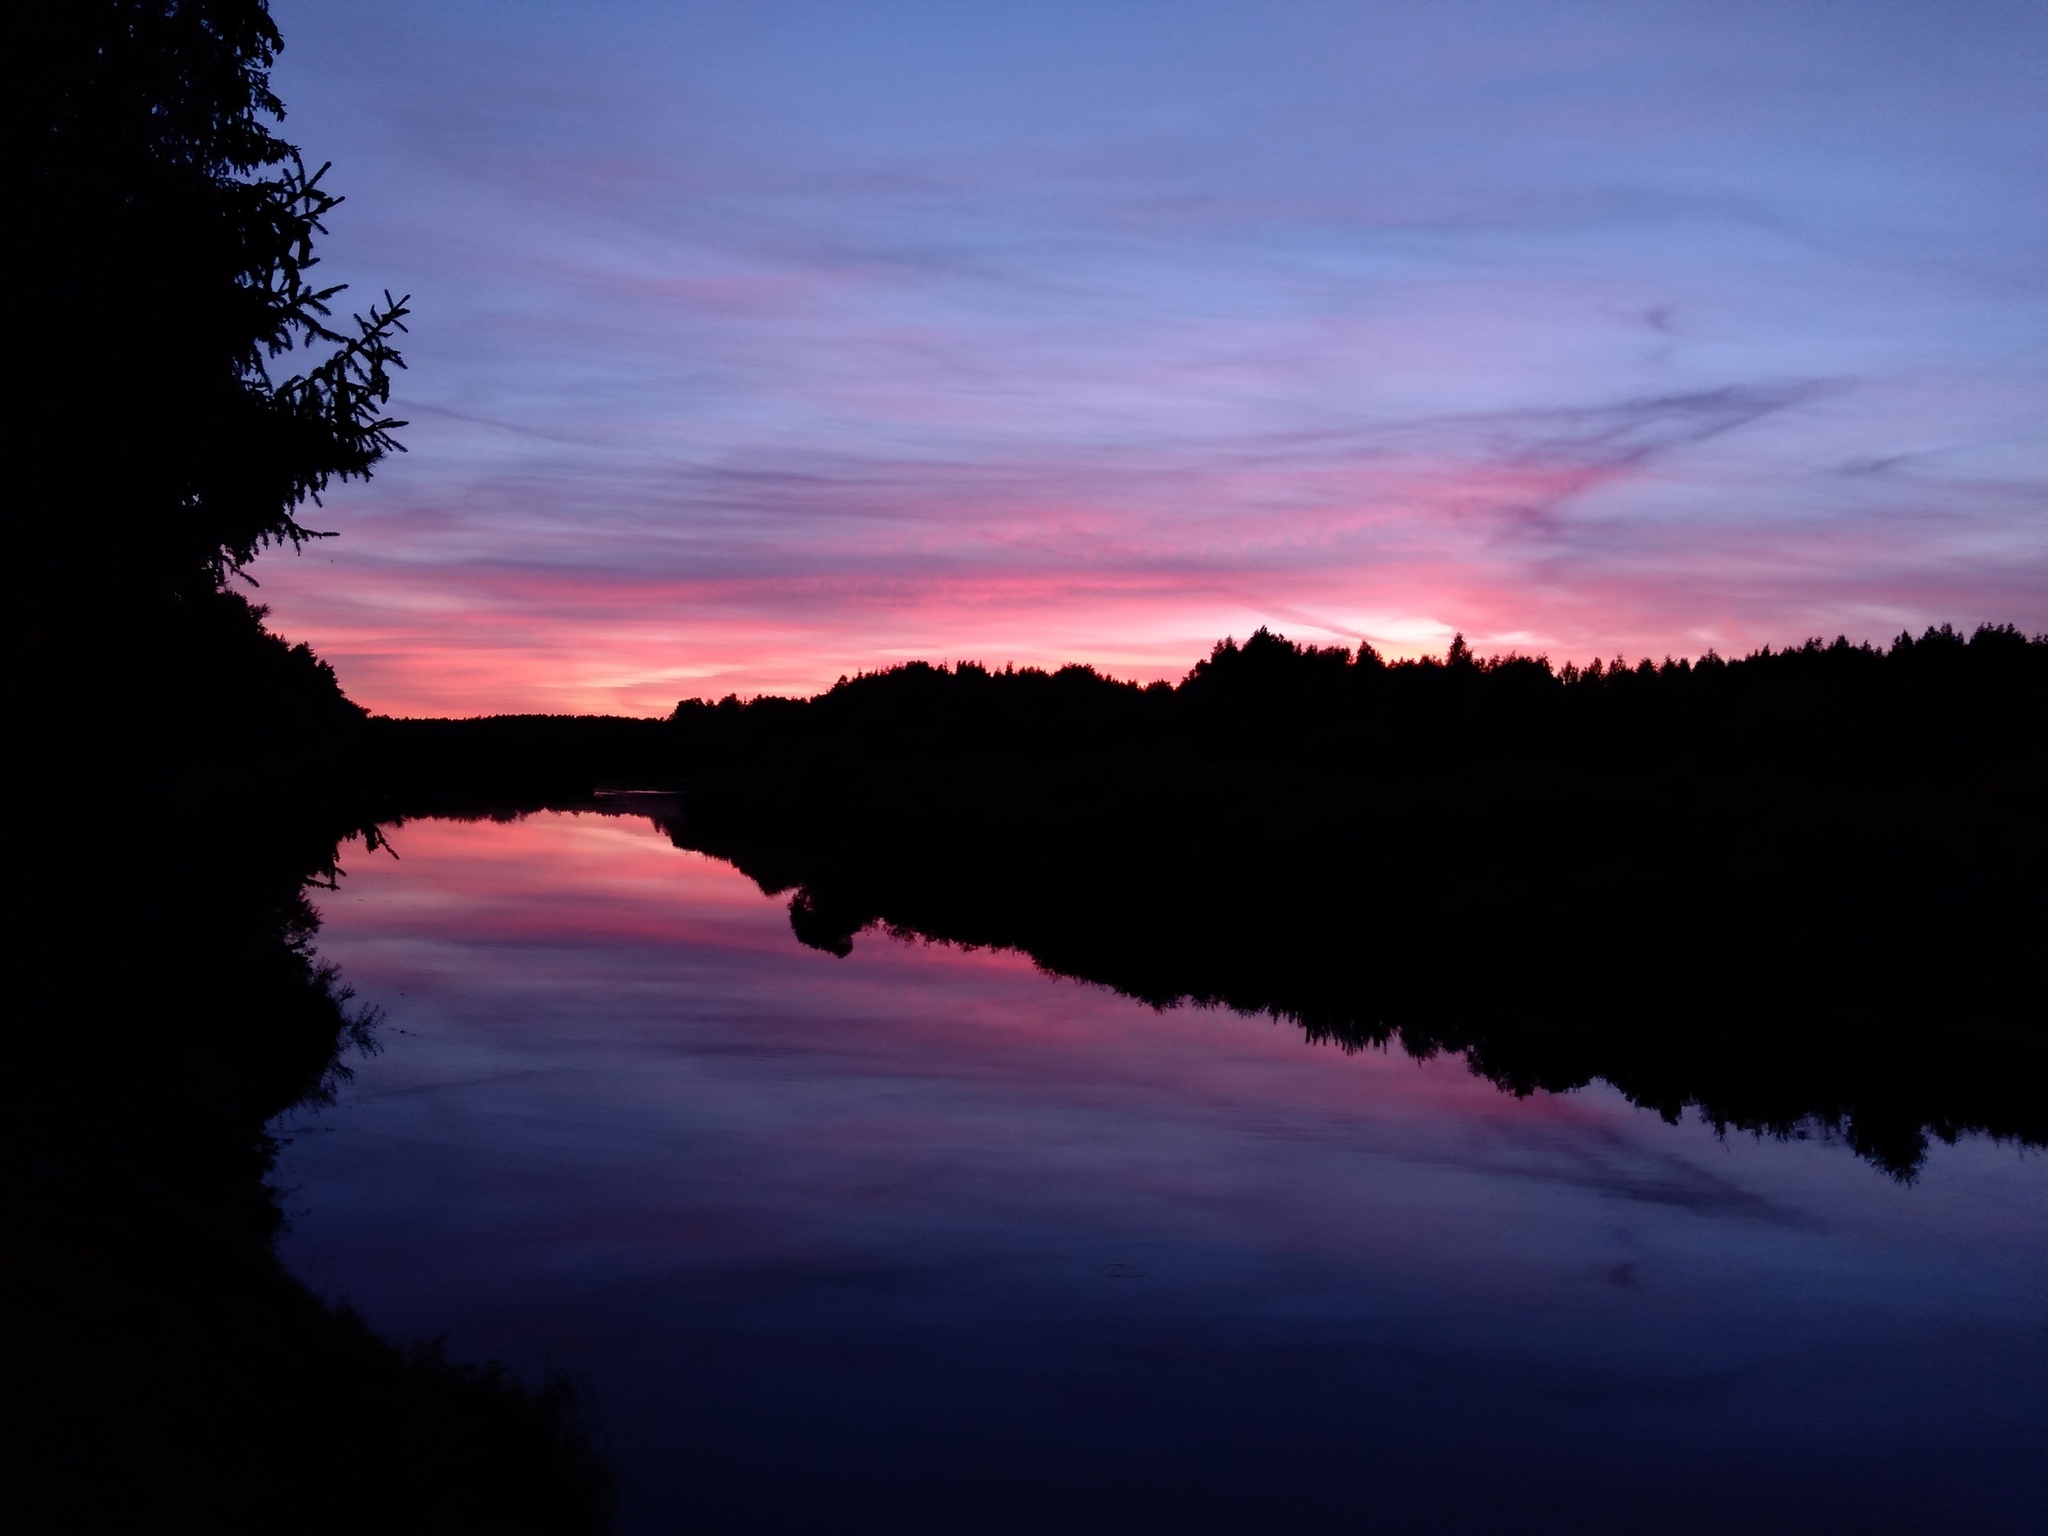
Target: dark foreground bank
point(168, 1004)
point(179, 777)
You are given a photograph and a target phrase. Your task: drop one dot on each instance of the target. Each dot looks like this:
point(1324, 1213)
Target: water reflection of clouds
point(781, 1209)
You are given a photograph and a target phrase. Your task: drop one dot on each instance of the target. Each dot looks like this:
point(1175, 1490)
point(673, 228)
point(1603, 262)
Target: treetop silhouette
point(173, 270)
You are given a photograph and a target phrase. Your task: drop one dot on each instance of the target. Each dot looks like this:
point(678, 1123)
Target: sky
point(756, 343)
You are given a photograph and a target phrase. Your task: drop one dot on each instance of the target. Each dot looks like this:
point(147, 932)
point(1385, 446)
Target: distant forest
point(1858, 709)
point(1817, 707)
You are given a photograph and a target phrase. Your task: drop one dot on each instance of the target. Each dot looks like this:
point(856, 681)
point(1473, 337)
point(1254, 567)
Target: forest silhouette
point(1798, 890)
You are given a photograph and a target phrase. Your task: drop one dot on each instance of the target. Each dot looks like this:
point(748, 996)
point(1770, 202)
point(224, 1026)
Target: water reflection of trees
point(1713, 980)
point(1769, 962)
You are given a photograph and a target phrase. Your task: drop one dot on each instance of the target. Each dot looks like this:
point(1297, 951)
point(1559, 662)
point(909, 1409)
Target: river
point(921, 1240)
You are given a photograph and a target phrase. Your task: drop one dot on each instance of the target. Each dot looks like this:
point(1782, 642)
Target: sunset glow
point(758, 345)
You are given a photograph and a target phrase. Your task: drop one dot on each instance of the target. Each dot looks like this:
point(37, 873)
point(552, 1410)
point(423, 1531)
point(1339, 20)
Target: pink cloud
point(1543, 551)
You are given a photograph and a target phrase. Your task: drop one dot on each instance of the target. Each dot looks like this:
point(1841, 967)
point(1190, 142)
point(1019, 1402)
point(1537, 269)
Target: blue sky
point(759, 343)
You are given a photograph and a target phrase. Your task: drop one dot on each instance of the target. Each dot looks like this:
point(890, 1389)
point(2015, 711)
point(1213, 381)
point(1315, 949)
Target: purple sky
point(759, 343)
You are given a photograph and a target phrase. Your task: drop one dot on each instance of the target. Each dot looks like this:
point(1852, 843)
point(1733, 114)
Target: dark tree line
point(1944, 706)
point(1814, 703)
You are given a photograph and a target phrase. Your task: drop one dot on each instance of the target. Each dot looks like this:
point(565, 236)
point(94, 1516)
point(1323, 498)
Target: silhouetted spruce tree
point(183, 386)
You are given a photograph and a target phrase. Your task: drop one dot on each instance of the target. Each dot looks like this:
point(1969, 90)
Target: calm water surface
point(923, 1240)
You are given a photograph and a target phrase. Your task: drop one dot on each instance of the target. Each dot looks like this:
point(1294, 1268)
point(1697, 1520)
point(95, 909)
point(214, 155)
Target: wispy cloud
point(754, 354)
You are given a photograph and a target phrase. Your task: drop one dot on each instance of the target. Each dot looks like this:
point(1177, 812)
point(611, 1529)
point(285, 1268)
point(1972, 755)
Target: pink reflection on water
point(930, 1210)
